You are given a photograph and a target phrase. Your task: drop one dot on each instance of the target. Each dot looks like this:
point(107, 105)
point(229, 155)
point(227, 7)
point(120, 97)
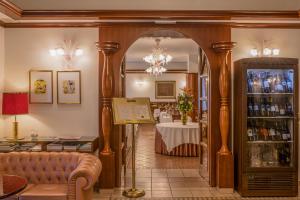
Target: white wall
point(27, 49)
point(287, 40)
point(1, 74)
point(148, 88)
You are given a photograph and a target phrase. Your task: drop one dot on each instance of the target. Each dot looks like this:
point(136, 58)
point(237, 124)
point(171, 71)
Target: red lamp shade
point(15, 103)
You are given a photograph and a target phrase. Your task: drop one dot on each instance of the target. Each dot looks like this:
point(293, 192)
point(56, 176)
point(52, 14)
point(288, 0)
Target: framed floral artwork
point(40, 86)
point(68, 87)
point(165, 89)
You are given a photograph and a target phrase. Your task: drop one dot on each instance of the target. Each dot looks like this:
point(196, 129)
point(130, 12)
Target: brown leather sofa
point(53, 175)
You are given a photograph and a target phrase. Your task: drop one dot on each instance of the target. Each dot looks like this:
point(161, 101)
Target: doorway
point(189, 69)
point(204, 35)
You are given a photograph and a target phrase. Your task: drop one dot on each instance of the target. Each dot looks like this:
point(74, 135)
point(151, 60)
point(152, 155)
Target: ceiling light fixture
point(157, 60)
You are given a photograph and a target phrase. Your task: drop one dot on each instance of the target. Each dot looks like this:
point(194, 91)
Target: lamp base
point(133, 193)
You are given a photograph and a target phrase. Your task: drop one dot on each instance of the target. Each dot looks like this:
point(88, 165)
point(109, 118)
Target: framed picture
point(40, 86)
point(68, 87)
point(165, 89)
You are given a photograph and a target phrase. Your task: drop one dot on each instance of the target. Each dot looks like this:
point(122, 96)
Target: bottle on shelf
point(278, 131)
point(256, 109)
point(268, 107)
point(272, 107)
point(250, 81)
point(282, 110)
point(272, 131)
point(263, 131)
point(278, 84)
point(250, 107)
point(266, 83)
point(262, 107)
point(250, 131)
point(289, 82)
point(286, 135)
point(284, 154)
point(284, 84)
point(288, 107)
point(256, 84)
point(276, 106)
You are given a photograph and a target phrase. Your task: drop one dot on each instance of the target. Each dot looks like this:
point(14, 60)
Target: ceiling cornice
point(157, 15)
point(10, 9)
point(105, 24)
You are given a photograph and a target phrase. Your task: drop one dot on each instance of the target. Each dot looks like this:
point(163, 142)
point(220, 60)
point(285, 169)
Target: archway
point(125, 35)
point(189, 68)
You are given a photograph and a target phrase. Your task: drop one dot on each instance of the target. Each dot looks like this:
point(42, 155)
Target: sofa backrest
point(40, 167)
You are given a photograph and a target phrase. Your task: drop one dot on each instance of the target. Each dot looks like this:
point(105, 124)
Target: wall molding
point(107, 24)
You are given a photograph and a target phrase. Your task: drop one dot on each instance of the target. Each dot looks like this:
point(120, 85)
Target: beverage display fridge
point(265, 126)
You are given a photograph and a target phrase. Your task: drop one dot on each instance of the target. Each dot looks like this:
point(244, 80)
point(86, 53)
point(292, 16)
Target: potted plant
point(184, 104)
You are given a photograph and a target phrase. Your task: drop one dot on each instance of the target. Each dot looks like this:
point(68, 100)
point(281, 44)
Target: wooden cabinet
point(265, 126)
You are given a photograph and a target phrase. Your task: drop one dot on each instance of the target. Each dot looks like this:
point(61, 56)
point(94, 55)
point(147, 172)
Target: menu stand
point(132, 111)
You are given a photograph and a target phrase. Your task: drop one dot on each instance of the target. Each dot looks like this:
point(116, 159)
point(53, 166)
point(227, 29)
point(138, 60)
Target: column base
point(107, 177)
point(225, 171)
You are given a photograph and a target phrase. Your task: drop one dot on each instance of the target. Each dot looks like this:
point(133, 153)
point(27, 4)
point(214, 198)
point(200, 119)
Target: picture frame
point(69, 87)
point(165, 89)
point(41, 87)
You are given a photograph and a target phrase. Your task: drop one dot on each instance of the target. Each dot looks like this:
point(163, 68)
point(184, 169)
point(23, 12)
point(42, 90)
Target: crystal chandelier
point(157, 60)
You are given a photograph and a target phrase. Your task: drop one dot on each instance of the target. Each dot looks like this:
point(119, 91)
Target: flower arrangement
point(185, 104)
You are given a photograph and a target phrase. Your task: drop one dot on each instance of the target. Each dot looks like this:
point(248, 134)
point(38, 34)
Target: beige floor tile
point(159, 180)
point(202, 194)
point(158, 193)
point(160, 186)
point(159, 174)
point(181, 193)
point(178, 185)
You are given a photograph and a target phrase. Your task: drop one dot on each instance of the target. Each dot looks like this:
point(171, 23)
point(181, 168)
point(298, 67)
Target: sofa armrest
point(89, 168)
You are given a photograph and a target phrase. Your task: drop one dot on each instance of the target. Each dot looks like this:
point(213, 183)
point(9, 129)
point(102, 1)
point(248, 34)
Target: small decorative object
point(185, 104)
point(68, 87)
point(15, 104)
point(165, 89)
point(41, 87)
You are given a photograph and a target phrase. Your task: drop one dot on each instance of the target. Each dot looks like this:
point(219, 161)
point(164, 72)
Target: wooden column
point(225, 168)
point(107, 156)
point(192, 86)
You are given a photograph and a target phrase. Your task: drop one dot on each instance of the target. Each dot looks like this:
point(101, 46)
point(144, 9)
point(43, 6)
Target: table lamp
point(15, 104)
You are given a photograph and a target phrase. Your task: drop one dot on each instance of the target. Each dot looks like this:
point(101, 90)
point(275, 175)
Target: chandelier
point(157, 60)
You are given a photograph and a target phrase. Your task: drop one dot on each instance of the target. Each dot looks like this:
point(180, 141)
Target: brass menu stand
point(132, 111)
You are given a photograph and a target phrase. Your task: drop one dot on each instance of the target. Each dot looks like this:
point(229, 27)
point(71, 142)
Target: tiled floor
point(146, 158)
point(167, 177)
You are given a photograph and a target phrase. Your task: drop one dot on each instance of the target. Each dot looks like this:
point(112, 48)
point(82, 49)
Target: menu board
point(132, 111)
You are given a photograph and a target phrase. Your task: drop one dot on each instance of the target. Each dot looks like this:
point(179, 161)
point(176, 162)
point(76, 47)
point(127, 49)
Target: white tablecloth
point(175, 134)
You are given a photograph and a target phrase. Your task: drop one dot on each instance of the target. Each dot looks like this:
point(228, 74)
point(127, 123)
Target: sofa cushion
point(15, 196)
point(46, 192)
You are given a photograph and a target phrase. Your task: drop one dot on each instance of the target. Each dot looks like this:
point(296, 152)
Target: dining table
point(11, 185)
point(176, 139)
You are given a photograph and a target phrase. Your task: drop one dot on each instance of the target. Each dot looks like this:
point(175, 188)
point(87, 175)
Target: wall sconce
point(68, 51)
point(265, 51)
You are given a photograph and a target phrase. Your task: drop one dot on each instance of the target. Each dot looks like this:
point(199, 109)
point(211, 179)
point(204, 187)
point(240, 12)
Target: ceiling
point(157, 4)
point(179, 48)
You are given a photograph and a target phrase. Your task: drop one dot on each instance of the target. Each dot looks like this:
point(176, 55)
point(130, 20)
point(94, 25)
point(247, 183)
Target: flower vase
point(184, 118)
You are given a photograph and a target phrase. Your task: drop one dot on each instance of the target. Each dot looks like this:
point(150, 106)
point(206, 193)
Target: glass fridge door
point(270, 117)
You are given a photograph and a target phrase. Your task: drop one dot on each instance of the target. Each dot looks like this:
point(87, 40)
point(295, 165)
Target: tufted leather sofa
point(53, 175)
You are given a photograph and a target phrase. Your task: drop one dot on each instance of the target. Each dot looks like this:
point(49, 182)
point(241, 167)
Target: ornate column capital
point(223, 47)
point(108, 47)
